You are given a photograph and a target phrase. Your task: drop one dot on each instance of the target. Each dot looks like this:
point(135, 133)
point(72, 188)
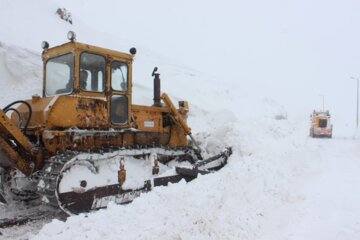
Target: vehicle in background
point(320, 124)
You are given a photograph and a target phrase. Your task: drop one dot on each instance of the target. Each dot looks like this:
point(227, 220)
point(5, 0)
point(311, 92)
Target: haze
point(292, 51)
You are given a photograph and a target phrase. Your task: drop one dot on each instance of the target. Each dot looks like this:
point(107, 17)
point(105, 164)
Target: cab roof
point(81, 47)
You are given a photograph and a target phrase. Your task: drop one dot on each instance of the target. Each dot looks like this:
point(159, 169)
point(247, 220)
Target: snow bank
point(20, 73)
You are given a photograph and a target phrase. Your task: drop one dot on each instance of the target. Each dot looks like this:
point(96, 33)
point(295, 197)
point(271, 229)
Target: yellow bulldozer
point(84, 143)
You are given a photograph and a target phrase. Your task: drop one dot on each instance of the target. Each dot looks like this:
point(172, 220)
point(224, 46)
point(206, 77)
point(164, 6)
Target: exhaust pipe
point(157, 99)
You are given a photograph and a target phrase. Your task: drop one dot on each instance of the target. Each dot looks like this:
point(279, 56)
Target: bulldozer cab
point(86, 71)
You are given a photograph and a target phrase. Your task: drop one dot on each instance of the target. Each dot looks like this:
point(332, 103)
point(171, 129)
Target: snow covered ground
point(279, 183)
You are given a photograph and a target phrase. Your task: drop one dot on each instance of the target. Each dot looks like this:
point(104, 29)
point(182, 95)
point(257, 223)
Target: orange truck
point(320, 124)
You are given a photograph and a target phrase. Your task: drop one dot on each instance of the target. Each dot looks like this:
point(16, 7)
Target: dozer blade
point(77, 201)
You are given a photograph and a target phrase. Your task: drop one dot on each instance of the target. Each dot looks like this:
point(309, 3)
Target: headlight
point(133, 51)
point(45, 45)
point(71, 36)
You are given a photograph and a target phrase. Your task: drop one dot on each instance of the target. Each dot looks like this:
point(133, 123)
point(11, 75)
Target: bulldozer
point(320, 124)
point(83, 143)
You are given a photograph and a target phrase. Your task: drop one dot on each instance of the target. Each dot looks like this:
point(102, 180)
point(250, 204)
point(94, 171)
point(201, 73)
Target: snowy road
point(327, 202)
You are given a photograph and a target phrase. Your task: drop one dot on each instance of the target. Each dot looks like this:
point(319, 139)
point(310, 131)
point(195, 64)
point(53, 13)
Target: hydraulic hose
point(18, 113)
point(9, 107)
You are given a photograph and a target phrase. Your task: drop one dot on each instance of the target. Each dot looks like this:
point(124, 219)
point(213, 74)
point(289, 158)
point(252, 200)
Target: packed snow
point(252, 86)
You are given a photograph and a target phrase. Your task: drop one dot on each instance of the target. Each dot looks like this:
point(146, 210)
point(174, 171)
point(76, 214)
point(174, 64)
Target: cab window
point(92, 72)
point(119, 76)
point(59, 75)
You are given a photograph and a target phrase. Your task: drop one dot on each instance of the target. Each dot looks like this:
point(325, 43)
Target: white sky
point(293, 51)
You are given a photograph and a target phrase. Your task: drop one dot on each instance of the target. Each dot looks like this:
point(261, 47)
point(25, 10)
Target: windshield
point(92, 72)
point(59, 75)
point(323, 123)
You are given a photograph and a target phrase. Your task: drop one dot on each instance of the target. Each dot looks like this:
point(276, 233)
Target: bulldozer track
point(21, 220)
point(49, 175)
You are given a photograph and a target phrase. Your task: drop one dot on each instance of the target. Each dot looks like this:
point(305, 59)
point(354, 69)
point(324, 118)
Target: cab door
point(120, 97)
